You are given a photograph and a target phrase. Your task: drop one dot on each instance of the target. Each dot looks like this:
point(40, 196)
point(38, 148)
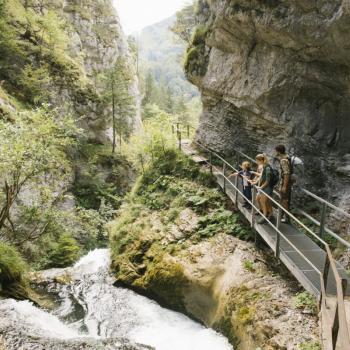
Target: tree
point(150, 88)
point(65, 252)
point(182, 111)
point(168, 101)
point(32, 156)
point(118, 94)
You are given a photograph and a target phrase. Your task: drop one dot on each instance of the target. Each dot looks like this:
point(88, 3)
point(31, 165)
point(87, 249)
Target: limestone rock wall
point(96, 41)
point(277, 71)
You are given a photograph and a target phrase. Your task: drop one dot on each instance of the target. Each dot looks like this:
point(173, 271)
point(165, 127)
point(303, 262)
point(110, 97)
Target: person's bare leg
point(264, 205)
point(258, 200)
point(269, 207)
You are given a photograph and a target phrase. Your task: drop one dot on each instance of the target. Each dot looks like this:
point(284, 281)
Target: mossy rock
point(165, 280)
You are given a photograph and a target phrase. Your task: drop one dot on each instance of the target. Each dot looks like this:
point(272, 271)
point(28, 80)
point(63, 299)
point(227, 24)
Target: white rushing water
point(90, 306)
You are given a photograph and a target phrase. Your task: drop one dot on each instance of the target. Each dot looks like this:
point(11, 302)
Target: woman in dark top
point(264, 202)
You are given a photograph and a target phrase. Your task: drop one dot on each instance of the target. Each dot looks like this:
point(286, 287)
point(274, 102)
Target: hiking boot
point(285, 221)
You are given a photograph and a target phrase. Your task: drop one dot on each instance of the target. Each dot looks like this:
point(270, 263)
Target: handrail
point(339, 324)
point(321, 223)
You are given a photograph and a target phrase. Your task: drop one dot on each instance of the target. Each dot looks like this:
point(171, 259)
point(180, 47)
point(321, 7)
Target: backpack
point(275, 177)
point(296, 169)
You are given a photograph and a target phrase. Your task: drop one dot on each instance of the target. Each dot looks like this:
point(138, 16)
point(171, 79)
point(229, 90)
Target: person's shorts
point(268, 190)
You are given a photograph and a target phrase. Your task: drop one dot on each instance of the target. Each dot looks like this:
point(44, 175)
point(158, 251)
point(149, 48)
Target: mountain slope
point(161, 53)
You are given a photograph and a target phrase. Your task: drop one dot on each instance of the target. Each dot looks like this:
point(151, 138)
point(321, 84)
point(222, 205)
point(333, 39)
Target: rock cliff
point(58, 54)
point(97, 38)
point(276, 71)
point(62, 49)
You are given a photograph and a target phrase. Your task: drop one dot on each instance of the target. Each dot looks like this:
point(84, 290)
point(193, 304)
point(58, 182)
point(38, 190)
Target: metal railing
point(337, 325)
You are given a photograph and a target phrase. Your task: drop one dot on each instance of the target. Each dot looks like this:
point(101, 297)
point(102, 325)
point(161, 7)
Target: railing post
point(335, 327)
point(211, 161)
point(188, 131)
point(278, 238)
point(236, 190)
point(224, 172)
point(323, 220)
point(326, 271)
point(253, 206)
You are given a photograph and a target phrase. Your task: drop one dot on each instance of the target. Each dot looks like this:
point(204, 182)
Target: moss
point(199, 35)
point(13, 269)
point(166, 280)
point(12, 266)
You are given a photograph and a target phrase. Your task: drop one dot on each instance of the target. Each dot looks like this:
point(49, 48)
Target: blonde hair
point(262, 158)
point(246, 165)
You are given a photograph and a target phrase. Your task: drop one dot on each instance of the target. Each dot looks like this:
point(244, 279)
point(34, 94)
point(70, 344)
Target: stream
point(93, 314)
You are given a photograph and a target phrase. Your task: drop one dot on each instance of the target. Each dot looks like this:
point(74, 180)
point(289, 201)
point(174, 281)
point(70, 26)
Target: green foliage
point(222, 220)
point(12, 266)
point(249, 265)
point(306, 301)
point(313, 345)
point(37, 41)
point(66, 251)
point(32, 148)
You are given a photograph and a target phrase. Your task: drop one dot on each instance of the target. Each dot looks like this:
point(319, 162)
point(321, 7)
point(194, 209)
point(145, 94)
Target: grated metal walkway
point(299, 265)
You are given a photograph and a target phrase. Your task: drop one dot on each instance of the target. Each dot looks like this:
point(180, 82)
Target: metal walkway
point(307, 256)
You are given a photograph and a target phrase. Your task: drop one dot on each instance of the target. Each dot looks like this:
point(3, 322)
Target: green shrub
point(313, 345)
point(199, 35)
point(12, 266)
point(306, 301)
point(249, 265)
point(66, 251)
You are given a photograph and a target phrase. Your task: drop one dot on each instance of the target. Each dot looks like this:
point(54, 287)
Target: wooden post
point(323, 220)
point(173, 129)
point(326, 271)
point(188, 131)
point(179, 139)
point(335, 327)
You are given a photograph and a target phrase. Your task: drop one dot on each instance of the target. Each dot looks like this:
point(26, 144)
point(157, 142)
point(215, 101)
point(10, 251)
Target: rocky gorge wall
point(57, 53)
point(96, 40)
point(277, 71)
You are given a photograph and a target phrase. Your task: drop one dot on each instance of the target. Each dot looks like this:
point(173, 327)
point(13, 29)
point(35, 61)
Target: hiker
point(246, 174)
point(265, 186)
point(285, 184)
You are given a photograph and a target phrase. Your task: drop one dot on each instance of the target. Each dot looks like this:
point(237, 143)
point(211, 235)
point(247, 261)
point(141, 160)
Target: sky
point(137, 14)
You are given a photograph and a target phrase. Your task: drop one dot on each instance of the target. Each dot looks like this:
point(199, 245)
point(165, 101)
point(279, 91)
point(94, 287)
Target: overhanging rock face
point(277, 71)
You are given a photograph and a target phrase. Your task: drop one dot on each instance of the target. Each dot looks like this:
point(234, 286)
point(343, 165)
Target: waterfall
point(92, 310)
